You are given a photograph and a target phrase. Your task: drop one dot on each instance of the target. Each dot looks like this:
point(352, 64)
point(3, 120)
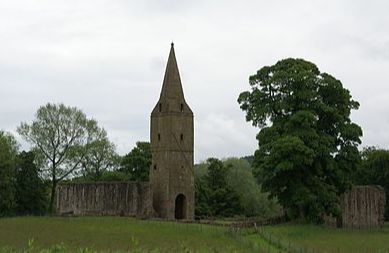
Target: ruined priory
point(169, 194)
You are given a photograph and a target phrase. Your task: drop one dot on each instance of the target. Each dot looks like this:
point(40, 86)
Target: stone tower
point(172, 141)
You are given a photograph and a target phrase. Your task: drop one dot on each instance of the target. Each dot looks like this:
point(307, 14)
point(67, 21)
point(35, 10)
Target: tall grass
point(301, 238)
point(119, 234)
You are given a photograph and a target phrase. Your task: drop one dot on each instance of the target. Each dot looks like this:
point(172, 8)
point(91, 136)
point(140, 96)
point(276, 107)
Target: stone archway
point(180, 207)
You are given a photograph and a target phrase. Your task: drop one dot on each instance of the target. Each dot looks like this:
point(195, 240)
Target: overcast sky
point(108, 58)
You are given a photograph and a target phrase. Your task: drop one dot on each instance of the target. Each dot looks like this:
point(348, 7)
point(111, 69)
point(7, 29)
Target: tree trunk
point(52, 197)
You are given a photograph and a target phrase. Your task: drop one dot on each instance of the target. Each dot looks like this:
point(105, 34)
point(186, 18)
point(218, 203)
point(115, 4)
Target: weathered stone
point(105, 198)
point(170, 193)
point(172, 142)
point(362, 206)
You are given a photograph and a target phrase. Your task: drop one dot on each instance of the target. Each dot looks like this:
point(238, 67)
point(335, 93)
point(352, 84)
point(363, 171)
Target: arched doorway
point(180, 207)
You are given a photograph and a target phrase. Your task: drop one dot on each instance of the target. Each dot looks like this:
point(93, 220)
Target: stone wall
point(362, 206)
point(105, 198)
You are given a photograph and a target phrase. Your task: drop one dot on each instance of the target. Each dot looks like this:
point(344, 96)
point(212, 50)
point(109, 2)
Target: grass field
point(323, 239)
point(112, 234)
point(122, 234)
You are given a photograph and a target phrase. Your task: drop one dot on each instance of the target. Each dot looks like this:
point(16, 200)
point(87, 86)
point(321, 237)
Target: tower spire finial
point(172, 87)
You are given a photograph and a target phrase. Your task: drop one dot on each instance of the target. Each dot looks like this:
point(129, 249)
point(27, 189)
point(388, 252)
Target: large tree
point(8, 156)
point(61, 135)
point(307, 142)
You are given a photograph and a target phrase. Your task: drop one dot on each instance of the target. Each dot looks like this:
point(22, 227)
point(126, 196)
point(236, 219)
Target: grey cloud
point(108, 58)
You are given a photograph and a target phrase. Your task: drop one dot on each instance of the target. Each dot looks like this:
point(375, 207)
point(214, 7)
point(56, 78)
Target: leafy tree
point(31, 195)
point(252, 199)
point(374, 170)
point(61, 135)
point(114, 176)
point(137, 163)
point(106, 176)
point(249, 159)
point(213, 195)
point(202, 192)
point(201, 169)
point(307, 142)
point(99, 156)
point(8, 154)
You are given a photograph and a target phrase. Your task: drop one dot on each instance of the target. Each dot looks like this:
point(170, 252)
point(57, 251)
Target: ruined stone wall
point(105, 198)
point(363, 206)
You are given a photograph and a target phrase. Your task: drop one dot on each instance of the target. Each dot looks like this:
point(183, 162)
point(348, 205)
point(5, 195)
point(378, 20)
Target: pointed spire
point(172, 87)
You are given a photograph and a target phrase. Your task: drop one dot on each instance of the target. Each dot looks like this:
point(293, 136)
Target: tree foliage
point(8, 156)
point(137, 163)
point(253, 201)
point(21, 189)
point(31, 194)
point(228, 188)
point(214, 197)
point(99, 156)
point(62, 136)
point(106, 176)
point(307, 142)
point(374, 170)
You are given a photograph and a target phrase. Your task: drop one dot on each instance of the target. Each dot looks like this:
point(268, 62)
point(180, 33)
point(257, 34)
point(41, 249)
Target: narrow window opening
point(182, 137)
point(182, 107)
point(155, 167)
point(160, 107)
point(159, 137)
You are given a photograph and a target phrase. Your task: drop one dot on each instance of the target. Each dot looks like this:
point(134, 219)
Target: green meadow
point(120, 234)
point(324, 239)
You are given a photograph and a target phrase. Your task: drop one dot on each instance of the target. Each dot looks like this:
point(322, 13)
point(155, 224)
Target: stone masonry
point(362, 206)
point(172, 144)
point(105, 198)
point(170, 192)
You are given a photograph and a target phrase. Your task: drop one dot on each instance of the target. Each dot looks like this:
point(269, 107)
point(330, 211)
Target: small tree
point(307, 142)
point(137, 163)
point(374, 170)
point(253, 200)
point(98, 157)
point(61, 135)
point(8, 154)
point(31, 195)
point(214, 197)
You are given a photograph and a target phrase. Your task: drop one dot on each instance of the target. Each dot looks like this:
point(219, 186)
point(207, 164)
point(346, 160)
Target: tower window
point(182, 137)
point(160, 107)
point(159, 137)
point(182, 107)
point(155, 167)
